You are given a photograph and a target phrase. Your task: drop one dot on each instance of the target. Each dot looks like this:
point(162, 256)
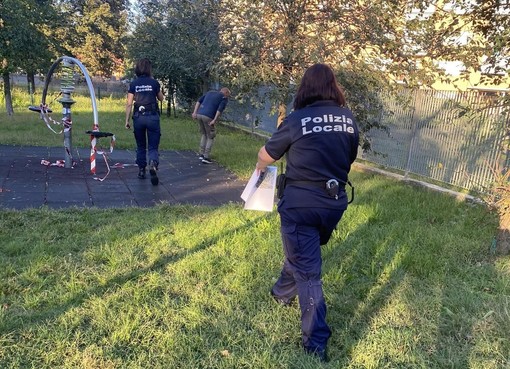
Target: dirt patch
point(503, 242)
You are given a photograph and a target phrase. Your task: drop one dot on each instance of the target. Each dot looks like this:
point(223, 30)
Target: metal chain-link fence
point(449, 136)
point(102, 87)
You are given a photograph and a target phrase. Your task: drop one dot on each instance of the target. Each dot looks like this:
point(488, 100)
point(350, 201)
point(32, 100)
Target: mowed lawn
point(409, 275)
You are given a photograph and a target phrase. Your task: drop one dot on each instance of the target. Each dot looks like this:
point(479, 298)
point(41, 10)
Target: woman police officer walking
point(320, 139)
point(145, 92)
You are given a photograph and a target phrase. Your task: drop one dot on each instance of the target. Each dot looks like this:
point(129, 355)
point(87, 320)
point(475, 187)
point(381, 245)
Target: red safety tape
point(94, 151)
point(58, 163)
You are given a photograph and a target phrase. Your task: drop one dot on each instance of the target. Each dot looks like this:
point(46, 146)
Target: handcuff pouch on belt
point(332, 188)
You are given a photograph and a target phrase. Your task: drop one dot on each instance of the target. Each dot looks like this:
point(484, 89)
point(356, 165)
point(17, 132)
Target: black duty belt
point(151, 112)
point(147, 109)
point(332, 186)
point(319, 184)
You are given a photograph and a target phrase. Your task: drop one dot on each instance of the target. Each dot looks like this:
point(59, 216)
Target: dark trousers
point(147, 130)
point(303, 232)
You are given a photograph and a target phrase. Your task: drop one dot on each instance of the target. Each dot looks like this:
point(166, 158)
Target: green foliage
point(364, 91)
point(272, 42)
point(183, 39)
point(475, 33)
point(23, 43)
point(248, 44)
point(97, 33)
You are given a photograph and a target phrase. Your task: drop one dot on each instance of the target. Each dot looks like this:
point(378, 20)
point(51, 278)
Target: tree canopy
point(24, 44)
point(181, 39)
point(195, 44)
point(97, 33)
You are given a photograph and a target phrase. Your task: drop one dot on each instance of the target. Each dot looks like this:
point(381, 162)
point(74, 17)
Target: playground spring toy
point(67, 65)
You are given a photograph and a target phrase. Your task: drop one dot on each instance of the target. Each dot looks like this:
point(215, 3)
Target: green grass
point(408, 277)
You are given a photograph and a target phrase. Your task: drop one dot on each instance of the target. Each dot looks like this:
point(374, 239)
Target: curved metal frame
point(66, 121)
point(87, 78)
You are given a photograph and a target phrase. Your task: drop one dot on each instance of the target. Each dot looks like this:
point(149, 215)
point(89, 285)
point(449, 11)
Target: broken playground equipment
point(67, 65)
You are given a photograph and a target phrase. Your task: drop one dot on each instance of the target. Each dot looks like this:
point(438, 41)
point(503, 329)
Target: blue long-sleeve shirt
point(212, 102)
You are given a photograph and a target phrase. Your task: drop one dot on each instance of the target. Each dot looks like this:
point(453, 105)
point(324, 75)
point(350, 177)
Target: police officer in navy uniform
point(145, 92)
point(320, 140)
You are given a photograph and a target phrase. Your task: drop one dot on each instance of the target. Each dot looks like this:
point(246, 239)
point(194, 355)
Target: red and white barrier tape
point(58, 163)
point(94, 150)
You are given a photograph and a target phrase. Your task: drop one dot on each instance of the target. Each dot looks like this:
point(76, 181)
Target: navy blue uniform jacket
point(321, 142)
point(146, 91)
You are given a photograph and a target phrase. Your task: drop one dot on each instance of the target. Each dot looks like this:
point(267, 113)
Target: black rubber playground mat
point(31, 177)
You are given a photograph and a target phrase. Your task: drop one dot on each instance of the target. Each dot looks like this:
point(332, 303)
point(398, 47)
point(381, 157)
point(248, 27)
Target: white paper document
point(261, 197)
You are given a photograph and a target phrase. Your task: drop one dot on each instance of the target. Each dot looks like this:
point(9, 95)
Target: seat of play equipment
point(99, 134)
point(38, 109)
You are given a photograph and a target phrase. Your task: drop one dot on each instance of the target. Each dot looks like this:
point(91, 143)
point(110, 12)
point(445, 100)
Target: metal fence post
point(505, 146)
point(414, 124)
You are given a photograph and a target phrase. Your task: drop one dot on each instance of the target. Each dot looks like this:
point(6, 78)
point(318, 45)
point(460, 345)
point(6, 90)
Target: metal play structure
point(67, 66)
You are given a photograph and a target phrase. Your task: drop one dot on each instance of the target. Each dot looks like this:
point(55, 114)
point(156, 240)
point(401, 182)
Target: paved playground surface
point(27, 183)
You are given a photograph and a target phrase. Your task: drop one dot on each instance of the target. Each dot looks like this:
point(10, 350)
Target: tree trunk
point(7, 94)
point(172, 99)
point(31, 82)
point(285, 81)
point(169, 99)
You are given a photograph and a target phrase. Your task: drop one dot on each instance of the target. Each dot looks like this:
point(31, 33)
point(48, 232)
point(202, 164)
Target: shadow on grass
point(399, 297)
point(23, 320)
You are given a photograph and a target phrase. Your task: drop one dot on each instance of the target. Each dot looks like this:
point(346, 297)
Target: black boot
point(141, 173)
point(153, 171)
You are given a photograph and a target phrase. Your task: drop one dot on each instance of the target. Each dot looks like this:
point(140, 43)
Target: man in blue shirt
point(207, 111)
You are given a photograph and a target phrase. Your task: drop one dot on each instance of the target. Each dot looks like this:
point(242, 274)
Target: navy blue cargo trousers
point(147, 131)
point(303, 231)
